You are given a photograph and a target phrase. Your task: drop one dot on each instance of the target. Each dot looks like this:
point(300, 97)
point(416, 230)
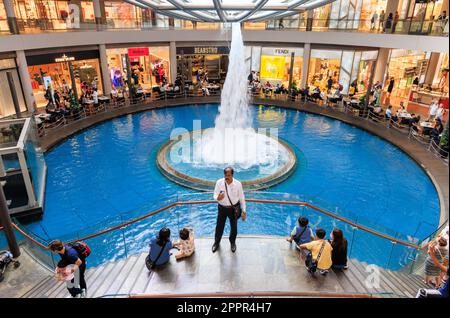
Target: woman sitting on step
point(160, 247)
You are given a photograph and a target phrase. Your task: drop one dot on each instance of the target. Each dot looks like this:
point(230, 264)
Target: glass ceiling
point(229, 10)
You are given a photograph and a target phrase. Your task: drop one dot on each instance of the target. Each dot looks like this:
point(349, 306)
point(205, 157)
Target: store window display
point(404, 66)
point(6, 100)
point(323, 65)
point(120, 14)
point(3, 19)
point(368, 9)
point(58, 75)
point(194, 62)
point(149, 66)
point(321, 17)
point(276, 64)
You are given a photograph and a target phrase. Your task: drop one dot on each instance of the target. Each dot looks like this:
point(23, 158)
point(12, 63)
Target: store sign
point(64, 58)
point(206, 50)
point(203, 50)
point(138, 51)
point(281, 51)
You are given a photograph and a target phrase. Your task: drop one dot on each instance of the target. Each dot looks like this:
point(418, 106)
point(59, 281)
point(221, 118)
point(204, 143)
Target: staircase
point(259, 265)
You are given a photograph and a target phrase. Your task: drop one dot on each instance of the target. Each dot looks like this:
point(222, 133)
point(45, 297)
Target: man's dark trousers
point(222, 215)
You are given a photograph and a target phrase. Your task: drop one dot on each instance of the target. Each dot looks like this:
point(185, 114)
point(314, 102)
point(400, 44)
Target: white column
point(391, 7)
point(11, 16)
point(99, 8)
point(382, 63)
point(433, 68)
point(173, 61)
point(305, 66)
point(25, 81)
point(104, 69)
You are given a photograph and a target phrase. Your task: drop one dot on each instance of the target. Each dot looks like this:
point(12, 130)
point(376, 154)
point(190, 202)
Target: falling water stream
point(234, 141)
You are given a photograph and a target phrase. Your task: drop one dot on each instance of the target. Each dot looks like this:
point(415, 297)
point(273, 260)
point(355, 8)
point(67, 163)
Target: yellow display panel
point(272, 67)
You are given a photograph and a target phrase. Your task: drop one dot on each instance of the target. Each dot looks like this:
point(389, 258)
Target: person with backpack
point(160, 247)
point(319, 256)
point(301, 233)
point(73, 254)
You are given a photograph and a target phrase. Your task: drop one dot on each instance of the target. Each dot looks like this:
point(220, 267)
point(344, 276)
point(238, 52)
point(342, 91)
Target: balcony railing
point(405, 26)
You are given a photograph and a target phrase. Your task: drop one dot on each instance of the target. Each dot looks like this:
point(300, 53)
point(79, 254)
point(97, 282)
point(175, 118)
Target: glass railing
point(270, 214)
point(405, 26)
point(417, 266)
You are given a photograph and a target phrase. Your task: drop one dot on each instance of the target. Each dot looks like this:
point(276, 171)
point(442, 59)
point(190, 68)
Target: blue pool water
point(107, 174)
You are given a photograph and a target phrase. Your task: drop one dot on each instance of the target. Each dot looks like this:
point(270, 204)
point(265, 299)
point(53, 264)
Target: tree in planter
point(443, 143)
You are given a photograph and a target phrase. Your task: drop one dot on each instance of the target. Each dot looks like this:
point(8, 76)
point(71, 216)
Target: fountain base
point(203, 178)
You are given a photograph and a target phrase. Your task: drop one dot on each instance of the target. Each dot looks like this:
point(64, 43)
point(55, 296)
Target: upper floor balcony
point(409, 26)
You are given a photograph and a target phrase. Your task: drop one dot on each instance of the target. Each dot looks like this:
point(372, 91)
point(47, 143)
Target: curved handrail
point(256, 294)
point(280, 202)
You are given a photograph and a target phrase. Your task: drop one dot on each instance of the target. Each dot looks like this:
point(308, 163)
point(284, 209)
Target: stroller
point(6, 258)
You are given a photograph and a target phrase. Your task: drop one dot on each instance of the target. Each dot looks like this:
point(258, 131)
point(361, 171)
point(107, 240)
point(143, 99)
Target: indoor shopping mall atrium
point(266, 150)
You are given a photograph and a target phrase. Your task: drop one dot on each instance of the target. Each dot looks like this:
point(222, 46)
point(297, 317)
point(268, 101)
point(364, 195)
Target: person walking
point(381, 20)
point(396, 18)
point(73, 254)
point(373, 21)
point(388, 25)
point(229, 195)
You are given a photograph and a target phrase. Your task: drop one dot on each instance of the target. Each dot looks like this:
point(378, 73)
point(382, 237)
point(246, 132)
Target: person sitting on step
point(301, 233)
point(185, 244)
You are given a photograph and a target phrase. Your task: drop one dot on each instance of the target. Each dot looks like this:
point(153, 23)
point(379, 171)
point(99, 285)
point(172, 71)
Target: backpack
point(82, 249)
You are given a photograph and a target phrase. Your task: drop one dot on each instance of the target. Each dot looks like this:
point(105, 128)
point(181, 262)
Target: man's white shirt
point(235, 191)
point(433, 109)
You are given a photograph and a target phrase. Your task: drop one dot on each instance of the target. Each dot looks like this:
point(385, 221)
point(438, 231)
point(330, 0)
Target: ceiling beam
point(258, 7)
point(219, 11)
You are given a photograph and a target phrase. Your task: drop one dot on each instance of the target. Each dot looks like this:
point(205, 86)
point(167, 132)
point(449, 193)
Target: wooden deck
point(259, 265)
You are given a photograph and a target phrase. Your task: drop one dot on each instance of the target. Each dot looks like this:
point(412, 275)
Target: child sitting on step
point(185, 243)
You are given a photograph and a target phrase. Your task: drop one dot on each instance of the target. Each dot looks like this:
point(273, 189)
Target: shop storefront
point(368, 8)
point(344, 67)
point(211, 59)
point(120, 14)
point(421, 96)
point(321, 17)
point(8, 65)
point(56, 70)
point(52, 14)
point(3, 19)
point(422, 15)
point(275, 65)
point(324, 64)
point(149, 66)
point(405, 67)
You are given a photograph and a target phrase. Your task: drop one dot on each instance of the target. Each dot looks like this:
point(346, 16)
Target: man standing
point(381, 20)
point(373, 21)
point(432, 110)
point(231, 204)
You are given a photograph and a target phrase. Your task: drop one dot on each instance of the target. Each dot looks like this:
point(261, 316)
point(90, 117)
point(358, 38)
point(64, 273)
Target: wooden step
point(104, 286)
point(135, 272)
point(123, 274)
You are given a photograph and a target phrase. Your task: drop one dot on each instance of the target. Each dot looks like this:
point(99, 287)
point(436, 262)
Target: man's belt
point(229, 206)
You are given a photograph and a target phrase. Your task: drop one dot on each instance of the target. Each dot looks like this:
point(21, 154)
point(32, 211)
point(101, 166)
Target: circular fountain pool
point(107, 174)
point(269, 159)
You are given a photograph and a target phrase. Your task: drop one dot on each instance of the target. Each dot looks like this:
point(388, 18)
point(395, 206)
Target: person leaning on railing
point(441, 291)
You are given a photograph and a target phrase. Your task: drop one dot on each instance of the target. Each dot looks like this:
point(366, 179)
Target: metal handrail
point(254, 294)
point(403, 26)
point(198, 202)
